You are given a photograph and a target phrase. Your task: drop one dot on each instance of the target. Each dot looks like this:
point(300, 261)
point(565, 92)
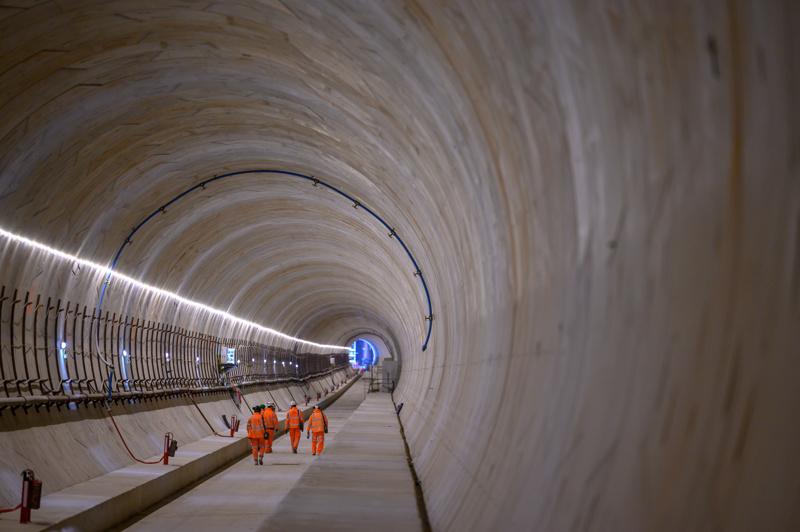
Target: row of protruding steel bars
point(34, 363)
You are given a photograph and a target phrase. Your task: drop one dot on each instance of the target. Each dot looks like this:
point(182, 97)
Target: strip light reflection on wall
point(158, 291)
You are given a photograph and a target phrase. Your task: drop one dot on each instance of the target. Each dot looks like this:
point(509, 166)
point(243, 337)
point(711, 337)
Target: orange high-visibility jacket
point(317, 422)
point(293, 418)
point(270, 419)
point(255, 426)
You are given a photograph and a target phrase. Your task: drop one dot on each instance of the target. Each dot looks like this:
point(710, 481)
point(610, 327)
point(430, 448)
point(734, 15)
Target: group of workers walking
point(263, 423)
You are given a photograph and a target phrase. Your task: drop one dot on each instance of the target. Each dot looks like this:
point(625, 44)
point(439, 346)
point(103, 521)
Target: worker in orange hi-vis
point(256, 433)
point(317, 426)
point(294, 425)
point(270, 423)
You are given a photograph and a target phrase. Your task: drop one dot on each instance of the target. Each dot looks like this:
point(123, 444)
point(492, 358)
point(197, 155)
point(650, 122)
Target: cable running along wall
point(315, 182)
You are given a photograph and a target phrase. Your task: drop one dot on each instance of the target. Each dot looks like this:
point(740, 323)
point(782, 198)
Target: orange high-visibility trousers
point(268, 440)
point(317, 442)
point(257, 445)
point(294, 434)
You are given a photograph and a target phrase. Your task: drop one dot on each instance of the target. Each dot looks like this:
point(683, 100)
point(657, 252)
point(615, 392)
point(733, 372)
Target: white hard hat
point(294, 404)
point(316, 406)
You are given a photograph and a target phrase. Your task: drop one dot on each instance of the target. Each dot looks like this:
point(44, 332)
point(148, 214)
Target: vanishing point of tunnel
point(569, 233)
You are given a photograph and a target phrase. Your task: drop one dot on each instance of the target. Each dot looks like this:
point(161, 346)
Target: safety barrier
point(378, 383)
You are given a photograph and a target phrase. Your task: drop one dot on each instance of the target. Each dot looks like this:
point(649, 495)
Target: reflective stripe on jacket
point(317, 422)
point(270, 420)
point(255, 426)
point(293, 418)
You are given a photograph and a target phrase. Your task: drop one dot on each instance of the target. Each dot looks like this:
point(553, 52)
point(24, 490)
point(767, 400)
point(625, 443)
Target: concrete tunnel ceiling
point(154, 123)
point(601, 196)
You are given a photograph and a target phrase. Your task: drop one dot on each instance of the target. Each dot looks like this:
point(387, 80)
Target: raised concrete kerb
point(110, 499)
point(102, 502)
point(328, 400)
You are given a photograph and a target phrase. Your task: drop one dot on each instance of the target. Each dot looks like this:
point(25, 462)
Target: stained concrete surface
point(40, 439)
point(604, 198)
point(106, 500)
point(244, 495)
point(103, 501)
point(361, 482)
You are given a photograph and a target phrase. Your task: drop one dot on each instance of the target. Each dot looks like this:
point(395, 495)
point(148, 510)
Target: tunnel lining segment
point(315, 182)
point(104, 269)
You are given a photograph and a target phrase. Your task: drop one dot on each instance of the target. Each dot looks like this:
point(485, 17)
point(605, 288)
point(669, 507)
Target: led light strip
point(106, 271)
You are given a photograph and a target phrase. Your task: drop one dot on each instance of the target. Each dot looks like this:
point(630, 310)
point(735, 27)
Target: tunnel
point(573, 226)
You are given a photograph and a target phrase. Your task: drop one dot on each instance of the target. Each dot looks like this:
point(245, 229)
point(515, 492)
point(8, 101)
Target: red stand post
point(31, 495)
point(25, 511)
point(166, 449)
point(233, 424)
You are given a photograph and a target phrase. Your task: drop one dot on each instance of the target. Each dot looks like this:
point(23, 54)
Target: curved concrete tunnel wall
point(603, 200)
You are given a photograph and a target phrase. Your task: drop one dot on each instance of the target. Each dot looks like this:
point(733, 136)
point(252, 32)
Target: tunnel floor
point(360, 480)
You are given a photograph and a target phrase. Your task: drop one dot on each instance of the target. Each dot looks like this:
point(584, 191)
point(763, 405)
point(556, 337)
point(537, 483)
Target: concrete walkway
point(361, 481)
point(244, 495)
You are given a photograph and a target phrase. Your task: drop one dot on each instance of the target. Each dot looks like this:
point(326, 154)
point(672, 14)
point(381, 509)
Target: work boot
point(294, 451)
point(260, 461)
point(313, 454)
point(256, 462)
